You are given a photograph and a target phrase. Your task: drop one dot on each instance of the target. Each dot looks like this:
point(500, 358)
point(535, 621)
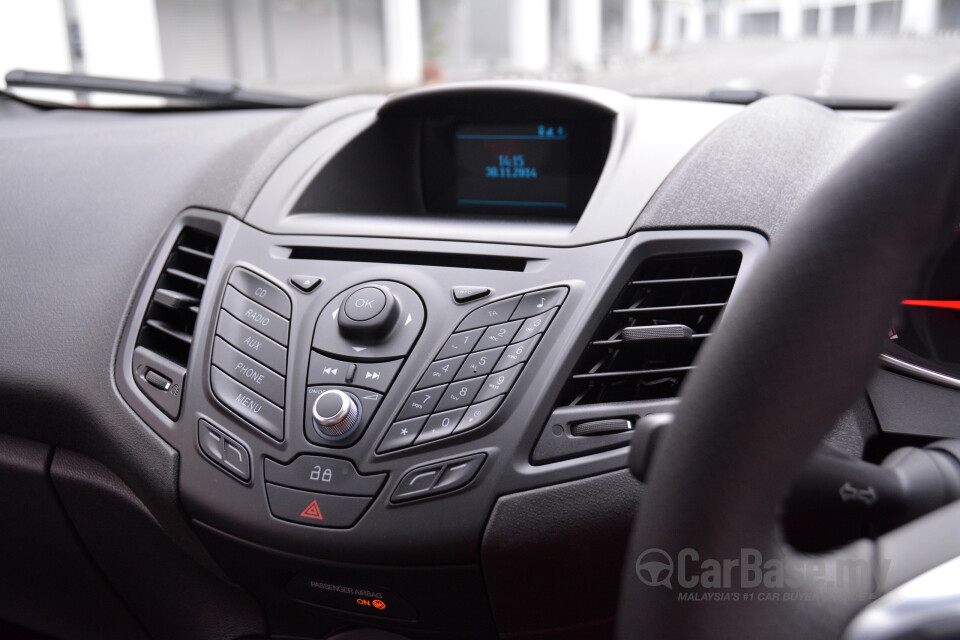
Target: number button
point(477, 414)
point(440, 425)
point(479, 363)
point(499, 334)
point(420, 403)
point(498, 383)
point(536, 324)
point(441, 372)
point(460, 394)
point(460, 343)
point(516, 353)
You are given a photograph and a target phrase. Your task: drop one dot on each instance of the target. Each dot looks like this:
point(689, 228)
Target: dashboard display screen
point(512, 166)
point(520, 170)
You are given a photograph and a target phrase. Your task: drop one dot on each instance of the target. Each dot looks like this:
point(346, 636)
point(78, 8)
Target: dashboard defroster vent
point(166, 333)
point(646, 343)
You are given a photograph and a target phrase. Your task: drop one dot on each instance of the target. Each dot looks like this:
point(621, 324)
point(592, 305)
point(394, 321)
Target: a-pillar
point(529, 35)
point(583, 32)
point(918, 18)
point(861, 19)
point(403, 46)
point(730, 20)
point(791, 19)
point(825, 19)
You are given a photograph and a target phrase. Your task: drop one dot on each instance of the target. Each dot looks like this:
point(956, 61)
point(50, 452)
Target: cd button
point(256, 288)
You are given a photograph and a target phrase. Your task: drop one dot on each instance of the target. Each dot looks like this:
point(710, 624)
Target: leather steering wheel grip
point(795, 348)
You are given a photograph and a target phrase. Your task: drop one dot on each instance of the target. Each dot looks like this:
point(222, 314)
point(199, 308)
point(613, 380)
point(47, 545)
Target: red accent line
point(942, 304)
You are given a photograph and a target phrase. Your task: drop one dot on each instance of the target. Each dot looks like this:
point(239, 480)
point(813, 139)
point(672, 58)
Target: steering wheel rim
point(795, 348)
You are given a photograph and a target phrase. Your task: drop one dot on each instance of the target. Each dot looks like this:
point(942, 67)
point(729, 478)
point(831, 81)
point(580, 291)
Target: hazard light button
point(315, 509)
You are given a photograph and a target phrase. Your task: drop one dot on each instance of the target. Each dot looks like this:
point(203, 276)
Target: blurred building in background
point(325, 47)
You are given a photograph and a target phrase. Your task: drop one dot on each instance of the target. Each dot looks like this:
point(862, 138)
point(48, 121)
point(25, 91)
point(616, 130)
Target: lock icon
point(315, 474)
point(327, 475)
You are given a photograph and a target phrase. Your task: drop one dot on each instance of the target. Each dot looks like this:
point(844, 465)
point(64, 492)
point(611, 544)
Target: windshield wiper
point(218, 93)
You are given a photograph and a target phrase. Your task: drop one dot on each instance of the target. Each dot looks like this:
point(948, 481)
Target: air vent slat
point(196, 252)
point(668, 307)
point(173, 332)
point(187, 276)
point(171, 316)
point(175, 299)
point(711, 305)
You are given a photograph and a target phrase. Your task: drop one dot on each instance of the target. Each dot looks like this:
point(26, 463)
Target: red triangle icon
point(312, 511)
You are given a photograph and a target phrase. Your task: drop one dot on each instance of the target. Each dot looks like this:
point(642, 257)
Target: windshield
point(859, 49)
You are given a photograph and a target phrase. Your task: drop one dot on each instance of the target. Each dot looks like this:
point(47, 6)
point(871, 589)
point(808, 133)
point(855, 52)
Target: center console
point(423, 312)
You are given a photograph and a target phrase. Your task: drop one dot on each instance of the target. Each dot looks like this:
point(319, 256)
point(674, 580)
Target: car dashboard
point(377, 362)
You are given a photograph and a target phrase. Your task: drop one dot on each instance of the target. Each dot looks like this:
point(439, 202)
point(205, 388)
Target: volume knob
point(335, 414)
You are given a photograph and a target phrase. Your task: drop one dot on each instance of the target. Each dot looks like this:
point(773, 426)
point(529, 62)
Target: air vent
point(167, 328)
point(646, 344)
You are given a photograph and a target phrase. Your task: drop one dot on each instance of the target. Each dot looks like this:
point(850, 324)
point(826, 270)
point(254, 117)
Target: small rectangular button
point(477, 414)
point(256, 288)
point(441, 371)
point(535, 325)
point(460, 343)
point(479, 363)
point(500, 334)
point(498, 383)
point(315, 509)
point(440, 425)
point(376, 375)
point(517, 353)
point(249, 405)
point(539, 301)
point(227, 452)
point(457, 473)
point(255, 315)
point(488, 314)
point(319, 473)
point(157, 380)
point(326, 370)
point(251, 342)
point(420, 403)
point(416, 482)
point(248, 372)
point(459, 394)
point(401, 434)
point(469, 294)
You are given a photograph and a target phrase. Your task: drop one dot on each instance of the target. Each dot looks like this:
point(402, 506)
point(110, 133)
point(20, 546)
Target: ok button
point(365, 304)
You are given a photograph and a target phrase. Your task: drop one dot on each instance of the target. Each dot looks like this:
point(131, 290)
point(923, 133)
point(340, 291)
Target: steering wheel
point(793, 351)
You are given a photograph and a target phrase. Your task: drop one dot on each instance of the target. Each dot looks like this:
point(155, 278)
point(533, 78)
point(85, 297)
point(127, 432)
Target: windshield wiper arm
point(214, 92)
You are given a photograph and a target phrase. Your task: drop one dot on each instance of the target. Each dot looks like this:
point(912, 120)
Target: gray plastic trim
point(650, 137)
